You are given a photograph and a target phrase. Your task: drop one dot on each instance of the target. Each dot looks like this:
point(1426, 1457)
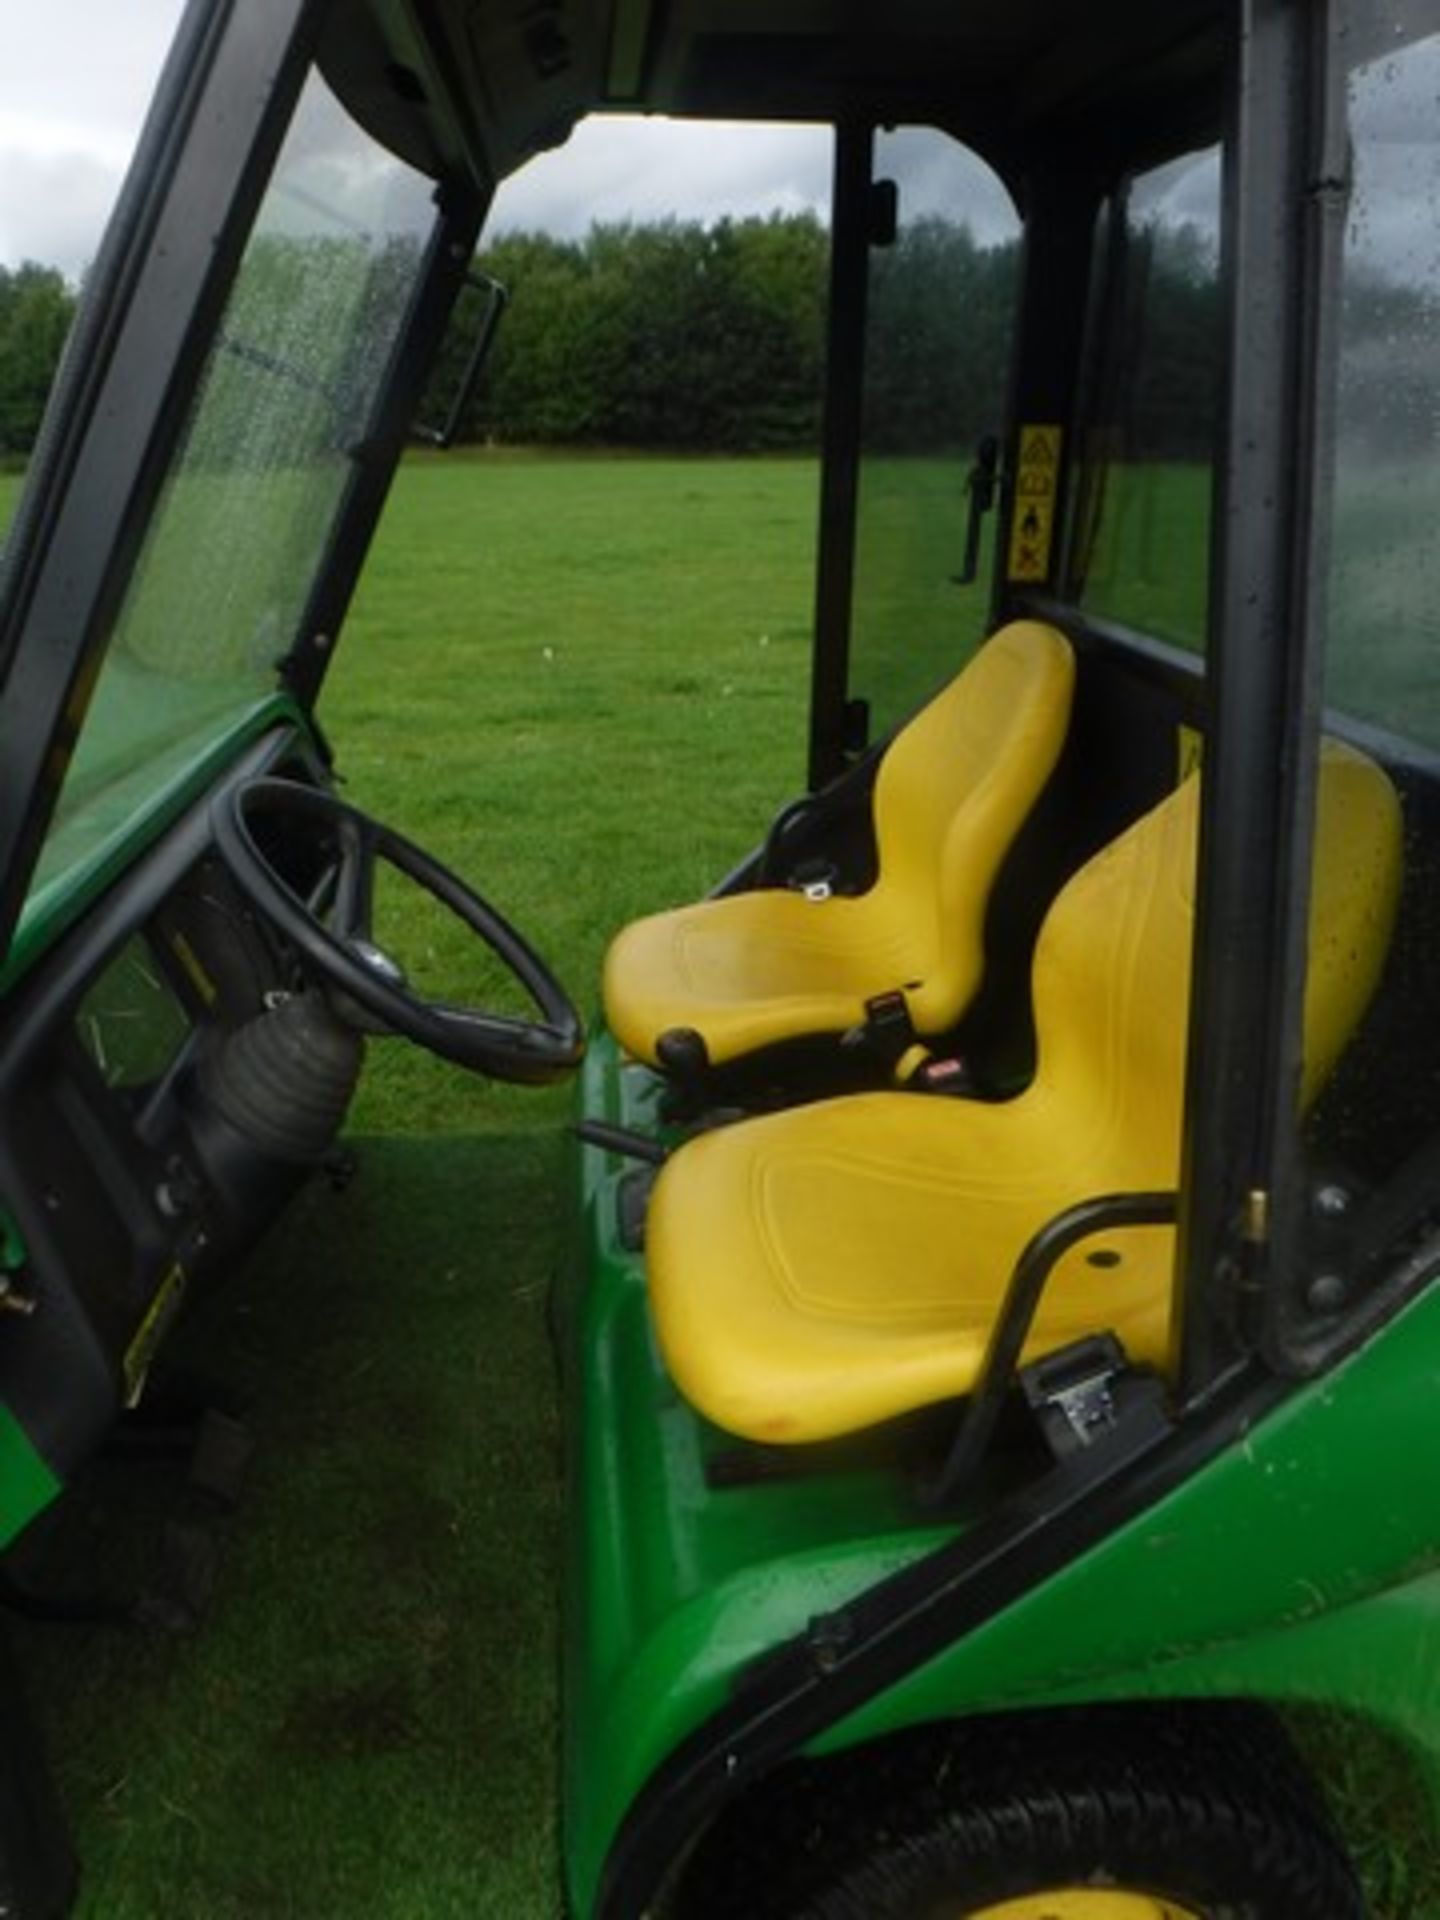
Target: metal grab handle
point(1012, 1326)
point(497, 299)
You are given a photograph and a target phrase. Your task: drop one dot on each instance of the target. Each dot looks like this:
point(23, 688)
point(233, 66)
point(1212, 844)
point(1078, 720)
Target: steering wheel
point(334, 939)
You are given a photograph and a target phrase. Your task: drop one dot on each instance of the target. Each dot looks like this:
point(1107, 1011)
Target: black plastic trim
point(840, 449)
point(1257, 798)
point(63, 1434)
point(1288, 1332)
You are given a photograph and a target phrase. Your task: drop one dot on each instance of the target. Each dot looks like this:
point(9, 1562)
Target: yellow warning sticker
point(1032, 520)
point(158, 1315)
point(1190, 748)
point(194, 967)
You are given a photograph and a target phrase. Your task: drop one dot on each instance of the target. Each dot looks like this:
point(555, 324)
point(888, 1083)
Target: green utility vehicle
point(998, 1352)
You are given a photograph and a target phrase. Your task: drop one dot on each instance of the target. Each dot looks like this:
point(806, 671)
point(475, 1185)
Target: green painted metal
point(1377, 1658)
point(12, 1244)
point(1300, 1564)
point(26, 1483)
point(672, 1584)
point(58, 902)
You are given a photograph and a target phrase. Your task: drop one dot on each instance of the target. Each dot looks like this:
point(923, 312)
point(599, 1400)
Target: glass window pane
point(1142, 535)
point(236, 540)
point(1371, 1148)
point(941, 303)
point(1384, 600)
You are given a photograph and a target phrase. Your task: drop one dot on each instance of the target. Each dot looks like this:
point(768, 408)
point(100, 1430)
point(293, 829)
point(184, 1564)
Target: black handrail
point(1012, 1325)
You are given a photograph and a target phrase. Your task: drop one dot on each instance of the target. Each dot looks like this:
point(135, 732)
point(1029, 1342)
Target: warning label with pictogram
point(1032, 520)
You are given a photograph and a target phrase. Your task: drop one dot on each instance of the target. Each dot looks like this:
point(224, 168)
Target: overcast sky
point(76, 75)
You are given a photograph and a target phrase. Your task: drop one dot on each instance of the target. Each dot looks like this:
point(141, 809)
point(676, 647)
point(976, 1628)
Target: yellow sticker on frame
point(1032, 517)
point(148, 1335)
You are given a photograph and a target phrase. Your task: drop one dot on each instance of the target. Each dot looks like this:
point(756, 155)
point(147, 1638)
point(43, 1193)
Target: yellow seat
point(818, 1270)
point(952, 791)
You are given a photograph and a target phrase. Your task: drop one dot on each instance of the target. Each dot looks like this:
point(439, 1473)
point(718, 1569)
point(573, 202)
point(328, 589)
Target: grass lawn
point(582, 682)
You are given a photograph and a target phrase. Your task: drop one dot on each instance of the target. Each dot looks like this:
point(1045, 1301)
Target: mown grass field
point(581, 682)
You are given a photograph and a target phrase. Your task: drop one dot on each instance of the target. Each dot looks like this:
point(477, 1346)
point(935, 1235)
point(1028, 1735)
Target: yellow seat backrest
point(1113, 962)
point(816, 1270)
point(951, 788)
point(752, 969)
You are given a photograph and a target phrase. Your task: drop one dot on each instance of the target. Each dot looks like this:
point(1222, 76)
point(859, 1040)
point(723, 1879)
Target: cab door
point(924, 278)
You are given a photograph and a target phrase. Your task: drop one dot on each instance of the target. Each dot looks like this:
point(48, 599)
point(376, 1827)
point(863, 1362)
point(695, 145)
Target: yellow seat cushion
point(822, 1269)
point(953, 789)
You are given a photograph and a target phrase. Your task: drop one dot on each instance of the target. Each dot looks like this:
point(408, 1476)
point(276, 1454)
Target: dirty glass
point(1383, 661)
point(285, 399)
point(941, 304)
point(1372, 1150)
point(1141, 542)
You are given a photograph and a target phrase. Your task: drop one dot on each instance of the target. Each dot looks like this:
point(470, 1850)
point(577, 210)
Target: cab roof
point(499, 80)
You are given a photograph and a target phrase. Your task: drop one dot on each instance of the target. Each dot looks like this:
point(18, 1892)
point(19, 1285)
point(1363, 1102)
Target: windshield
point(284, 401)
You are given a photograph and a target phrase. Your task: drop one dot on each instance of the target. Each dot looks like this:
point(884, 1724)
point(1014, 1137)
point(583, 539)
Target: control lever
point(980, 487)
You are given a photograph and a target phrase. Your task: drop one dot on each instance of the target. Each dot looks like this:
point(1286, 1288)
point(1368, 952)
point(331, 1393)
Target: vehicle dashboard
point(125, 1186)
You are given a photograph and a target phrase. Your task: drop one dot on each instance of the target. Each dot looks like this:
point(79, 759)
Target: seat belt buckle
point(887, 1031)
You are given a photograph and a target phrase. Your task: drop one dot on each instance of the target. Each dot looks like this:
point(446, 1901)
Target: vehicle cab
point(992, 1365)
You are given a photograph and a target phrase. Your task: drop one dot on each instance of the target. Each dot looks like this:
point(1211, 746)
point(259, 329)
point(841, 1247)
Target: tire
point(1110, 1813)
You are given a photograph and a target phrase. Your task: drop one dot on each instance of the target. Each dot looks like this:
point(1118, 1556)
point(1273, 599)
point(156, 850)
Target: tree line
point(712, 338)
point(36, 308)
point(679, 335)
point(670, 335)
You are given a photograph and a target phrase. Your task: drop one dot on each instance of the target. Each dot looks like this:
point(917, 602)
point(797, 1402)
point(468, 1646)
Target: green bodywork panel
point(1301, 1563)
point(118, 825)
point(26, 1484)
point(672, 1586)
